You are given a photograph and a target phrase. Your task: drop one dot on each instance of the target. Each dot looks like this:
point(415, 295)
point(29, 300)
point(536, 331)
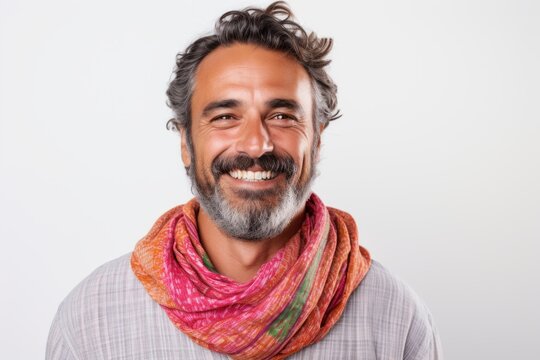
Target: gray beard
point(255, 220)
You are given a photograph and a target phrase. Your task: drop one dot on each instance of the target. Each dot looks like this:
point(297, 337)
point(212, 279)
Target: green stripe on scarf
point(208, 263)
point(280, 328)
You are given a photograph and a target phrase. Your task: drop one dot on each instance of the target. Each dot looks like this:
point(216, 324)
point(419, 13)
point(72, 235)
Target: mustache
point(268, 162)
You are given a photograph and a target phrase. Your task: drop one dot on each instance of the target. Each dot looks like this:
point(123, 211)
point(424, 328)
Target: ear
point(321, 129)
point(184, 149)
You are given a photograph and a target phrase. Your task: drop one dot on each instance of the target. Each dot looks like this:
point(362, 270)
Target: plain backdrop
point(437, 155)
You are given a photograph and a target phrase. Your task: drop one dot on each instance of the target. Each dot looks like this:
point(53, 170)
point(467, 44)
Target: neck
point(241, 259)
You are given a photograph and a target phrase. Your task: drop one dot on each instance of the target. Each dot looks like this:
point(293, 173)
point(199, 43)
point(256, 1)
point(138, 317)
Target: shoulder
point(382, 289)
point(389, 319)
point(399, 311)
point(97, 307)
point(109, 282)
point(109, 315)
point(97, 296)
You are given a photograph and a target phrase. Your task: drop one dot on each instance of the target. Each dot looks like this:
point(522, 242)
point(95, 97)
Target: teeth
point(252, 175)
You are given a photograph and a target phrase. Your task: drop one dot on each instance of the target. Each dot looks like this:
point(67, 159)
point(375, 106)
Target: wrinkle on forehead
point(251, 72)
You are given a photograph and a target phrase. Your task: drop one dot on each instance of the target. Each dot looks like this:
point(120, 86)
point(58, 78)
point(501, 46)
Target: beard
point(259, 214)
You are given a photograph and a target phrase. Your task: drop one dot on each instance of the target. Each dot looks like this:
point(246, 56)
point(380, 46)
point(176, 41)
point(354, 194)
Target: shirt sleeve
point(58, 348)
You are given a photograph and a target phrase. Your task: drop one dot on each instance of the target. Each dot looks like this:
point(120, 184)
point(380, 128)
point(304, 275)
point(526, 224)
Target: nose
point(254, 139)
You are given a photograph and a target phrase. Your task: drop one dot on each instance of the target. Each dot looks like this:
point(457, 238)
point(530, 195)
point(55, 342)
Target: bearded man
point(255, 266)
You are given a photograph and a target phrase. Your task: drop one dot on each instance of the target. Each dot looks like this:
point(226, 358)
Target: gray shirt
point(109, 315)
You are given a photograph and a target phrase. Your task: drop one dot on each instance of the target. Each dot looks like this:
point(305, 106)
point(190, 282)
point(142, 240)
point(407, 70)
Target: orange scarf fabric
point(292, 302)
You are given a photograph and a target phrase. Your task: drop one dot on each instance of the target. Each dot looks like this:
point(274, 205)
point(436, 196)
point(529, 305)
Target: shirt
point(109, 315)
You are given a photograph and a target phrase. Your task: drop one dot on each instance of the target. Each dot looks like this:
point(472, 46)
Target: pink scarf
point(292, 302)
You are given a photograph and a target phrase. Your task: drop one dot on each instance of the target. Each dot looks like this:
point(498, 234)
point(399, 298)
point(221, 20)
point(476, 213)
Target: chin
point(252, 219)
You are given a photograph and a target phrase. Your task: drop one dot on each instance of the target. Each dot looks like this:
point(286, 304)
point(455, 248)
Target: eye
point(223, 117)
point(283, 116)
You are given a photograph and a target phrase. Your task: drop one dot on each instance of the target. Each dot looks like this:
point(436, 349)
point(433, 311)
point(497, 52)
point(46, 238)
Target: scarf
point(292, 302)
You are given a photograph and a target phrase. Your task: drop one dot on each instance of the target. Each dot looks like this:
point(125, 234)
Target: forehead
point(249, 73)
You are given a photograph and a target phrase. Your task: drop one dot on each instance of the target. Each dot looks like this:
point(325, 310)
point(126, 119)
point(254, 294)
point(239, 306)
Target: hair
point(272, 28)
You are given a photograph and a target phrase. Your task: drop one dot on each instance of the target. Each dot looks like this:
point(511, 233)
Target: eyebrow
point(285, 103)
point(272, 104)
point(220, 104)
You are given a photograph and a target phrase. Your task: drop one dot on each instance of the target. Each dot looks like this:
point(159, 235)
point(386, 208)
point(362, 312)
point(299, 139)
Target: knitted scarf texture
point(292, 302)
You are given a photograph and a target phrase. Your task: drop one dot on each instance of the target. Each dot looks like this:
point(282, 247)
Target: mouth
point(247, 175)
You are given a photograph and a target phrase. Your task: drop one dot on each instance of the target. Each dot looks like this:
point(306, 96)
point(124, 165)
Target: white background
point(437, 155)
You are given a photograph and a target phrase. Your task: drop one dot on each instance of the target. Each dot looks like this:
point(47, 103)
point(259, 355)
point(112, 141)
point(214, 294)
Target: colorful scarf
point(292, 302)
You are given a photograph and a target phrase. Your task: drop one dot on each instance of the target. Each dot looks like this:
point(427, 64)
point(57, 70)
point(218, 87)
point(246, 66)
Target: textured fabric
point(293, 301)
point(109, 315)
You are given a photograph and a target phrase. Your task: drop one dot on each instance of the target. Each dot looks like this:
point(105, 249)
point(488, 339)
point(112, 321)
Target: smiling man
point(255, 266)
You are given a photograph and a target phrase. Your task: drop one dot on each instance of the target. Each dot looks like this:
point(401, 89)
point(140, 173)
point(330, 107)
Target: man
point(256, 266)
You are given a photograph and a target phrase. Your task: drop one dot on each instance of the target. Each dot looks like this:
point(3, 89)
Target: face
point(252, 129)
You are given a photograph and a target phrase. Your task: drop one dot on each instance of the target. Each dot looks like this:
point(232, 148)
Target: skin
point(253, 77)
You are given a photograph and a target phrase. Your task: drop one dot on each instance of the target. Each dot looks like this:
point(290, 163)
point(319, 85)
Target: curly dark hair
point(272, 28)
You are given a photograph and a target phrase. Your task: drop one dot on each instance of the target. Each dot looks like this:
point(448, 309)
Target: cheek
point(209, 146)
point(295, 144)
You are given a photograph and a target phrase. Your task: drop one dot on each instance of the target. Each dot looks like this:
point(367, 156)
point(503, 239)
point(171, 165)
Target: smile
point(252, 175)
